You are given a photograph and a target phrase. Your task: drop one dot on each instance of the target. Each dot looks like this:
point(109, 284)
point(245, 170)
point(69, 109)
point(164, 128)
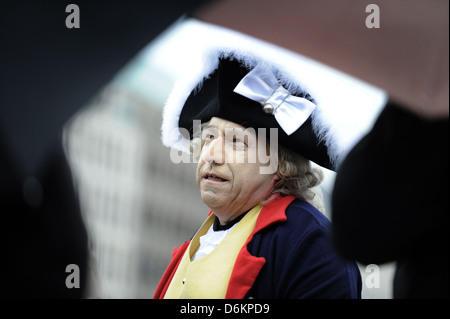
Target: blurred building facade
point(136, 203)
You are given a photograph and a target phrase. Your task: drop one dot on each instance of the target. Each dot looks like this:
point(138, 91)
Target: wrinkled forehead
point(224, 127)
point(221, 124)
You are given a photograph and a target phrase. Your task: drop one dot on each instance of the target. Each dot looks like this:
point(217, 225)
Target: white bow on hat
point(262, 86)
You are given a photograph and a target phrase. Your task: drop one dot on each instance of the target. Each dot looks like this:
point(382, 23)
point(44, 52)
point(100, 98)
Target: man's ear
point(276, 177)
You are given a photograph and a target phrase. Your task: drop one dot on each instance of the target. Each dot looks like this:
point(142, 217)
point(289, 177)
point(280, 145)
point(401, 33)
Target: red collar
point(247, 267)
point(274, 211)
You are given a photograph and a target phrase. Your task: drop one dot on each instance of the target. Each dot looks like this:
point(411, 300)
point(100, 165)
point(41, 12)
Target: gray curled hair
point(296, 176)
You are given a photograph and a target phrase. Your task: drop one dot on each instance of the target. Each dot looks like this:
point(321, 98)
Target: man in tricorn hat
point(264, 238)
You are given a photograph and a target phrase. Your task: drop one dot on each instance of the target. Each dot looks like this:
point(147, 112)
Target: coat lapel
point(247, 266)
point(166, 279)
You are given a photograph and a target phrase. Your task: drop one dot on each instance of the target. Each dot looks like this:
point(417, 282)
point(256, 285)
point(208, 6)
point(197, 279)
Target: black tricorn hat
point(318, 111)
point(217, 97)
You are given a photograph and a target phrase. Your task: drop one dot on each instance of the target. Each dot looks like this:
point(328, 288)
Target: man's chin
point(213, 200)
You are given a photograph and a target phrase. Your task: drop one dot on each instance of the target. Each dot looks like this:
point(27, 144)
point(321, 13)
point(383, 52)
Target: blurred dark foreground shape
point(48, 72)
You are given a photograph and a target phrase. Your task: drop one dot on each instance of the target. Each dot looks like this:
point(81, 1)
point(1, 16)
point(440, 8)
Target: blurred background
point(137, 205)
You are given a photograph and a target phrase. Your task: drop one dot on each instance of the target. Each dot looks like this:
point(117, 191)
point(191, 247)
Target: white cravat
point(210, 240)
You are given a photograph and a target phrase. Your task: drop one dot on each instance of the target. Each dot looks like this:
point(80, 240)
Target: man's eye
point(209, 137)
point(239, 143)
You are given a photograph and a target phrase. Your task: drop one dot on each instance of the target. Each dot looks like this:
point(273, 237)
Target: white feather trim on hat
point(345, 108)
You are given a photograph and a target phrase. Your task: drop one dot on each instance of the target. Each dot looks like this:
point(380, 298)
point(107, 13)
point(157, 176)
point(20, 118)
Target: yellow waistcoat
point(208, 276)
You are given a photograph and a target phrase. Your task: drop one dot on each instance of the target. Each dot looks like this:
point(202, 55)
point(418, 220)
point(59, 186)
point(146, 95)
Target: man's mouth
point(214, 177)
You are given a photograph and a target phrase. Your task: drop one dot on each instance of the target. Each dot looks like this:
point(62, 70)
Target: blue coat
point(301, 261)
point(288, 255)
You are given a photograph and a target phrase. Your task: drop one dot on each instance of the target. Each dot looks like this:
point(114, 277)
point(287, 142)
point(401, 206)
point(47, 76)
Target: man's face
point(228, 172)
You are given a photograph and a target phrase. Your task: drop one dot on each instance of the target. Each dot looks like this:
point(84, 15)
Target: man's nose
point(214, 152)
